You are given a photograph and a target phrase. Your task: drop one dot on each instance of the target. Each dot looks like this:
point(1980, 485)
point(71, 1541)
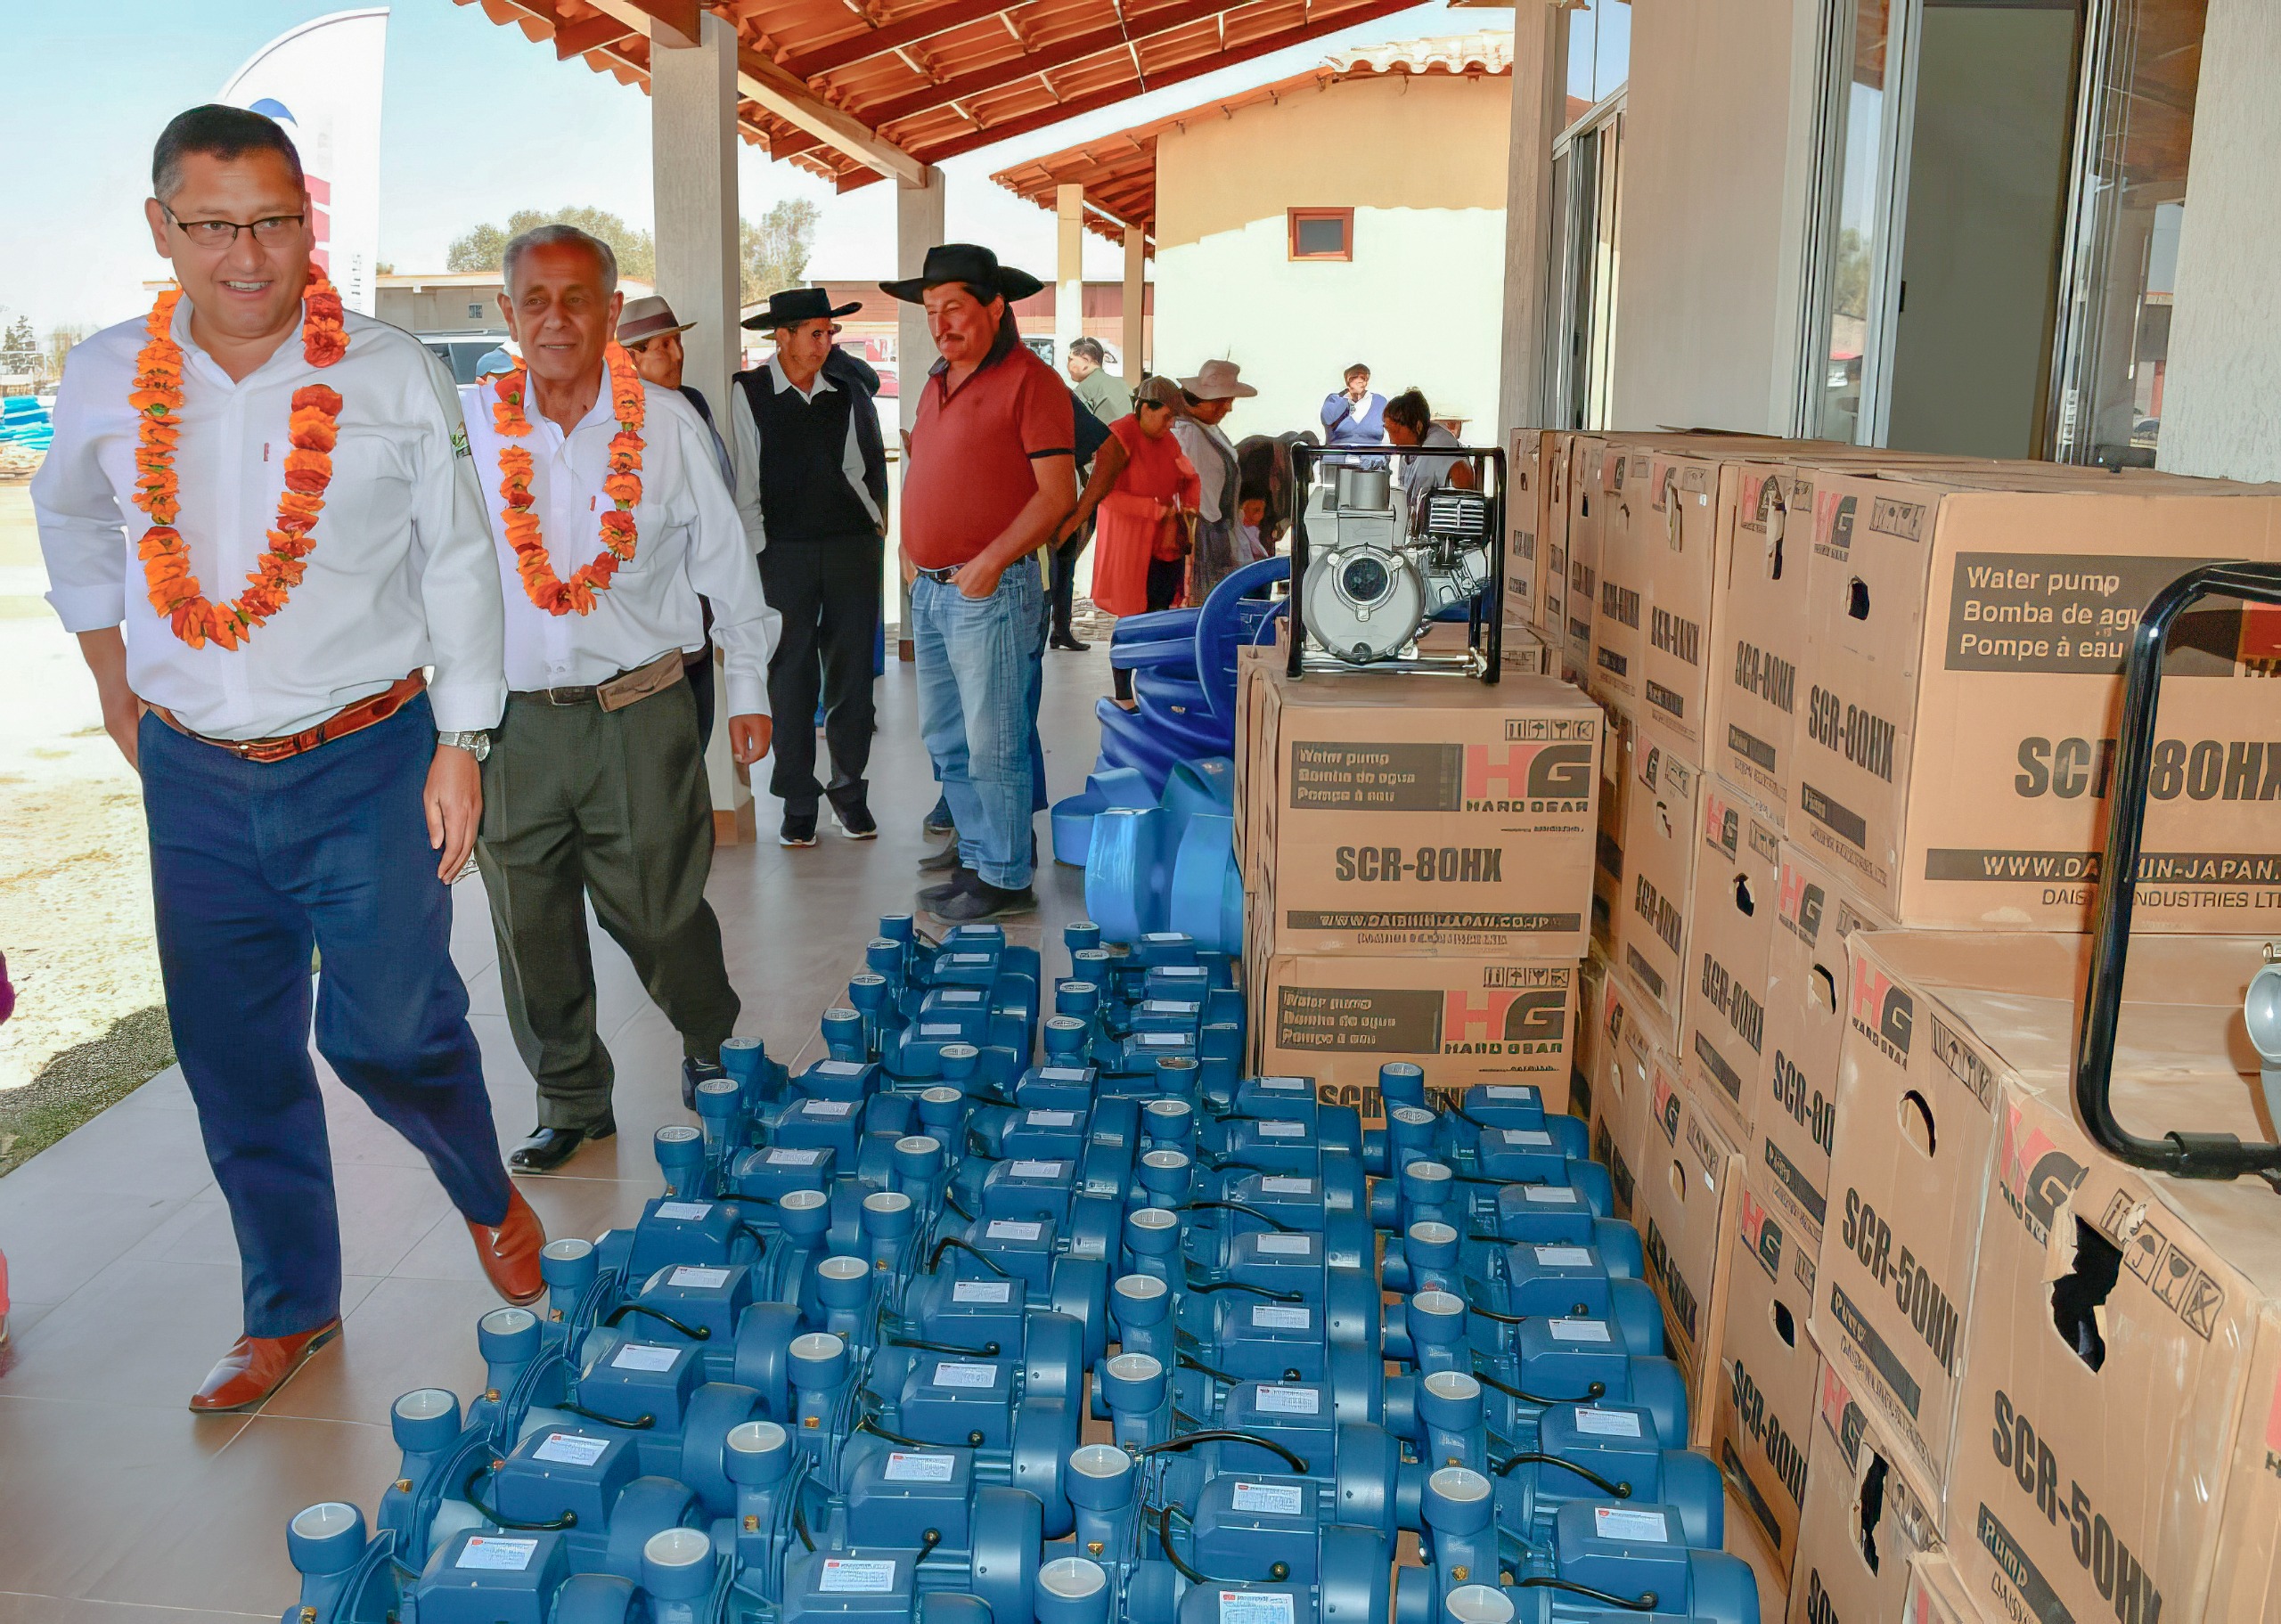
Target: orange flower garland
point(312, 431)
point(623, 485)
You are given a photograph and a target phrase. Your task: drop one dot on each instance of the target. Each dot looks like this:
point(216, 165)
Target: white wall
point(1421, 301)
point(1706, 319)
point(2221, 412)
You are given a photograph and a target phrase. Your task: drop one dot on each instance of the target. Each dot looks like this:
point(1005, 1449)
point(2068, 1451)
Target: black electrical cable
point(568, 1519)
point(987, 1351)
point(1504, 1468)
point(870, 1424)
point(1272, 1222)
point(1645, 1603)
point(1592, 1391)
point(641, 1422)
point(696, 1333)
point(1204, 1288)
point(800, 1525)
point(1492, 1315)
point(951, 1202)
point(1188, 1440)
point(1192, 1363)
point(928, 1541)
point(948, 1241)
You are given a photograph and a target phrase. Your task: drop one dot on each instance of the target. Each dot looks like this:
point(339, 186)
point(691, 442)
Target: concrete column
point(693, 168)
point(1540, 104)
point(1135, 336)
point(918, 227)
point(2224, 351)
point(1068, 268)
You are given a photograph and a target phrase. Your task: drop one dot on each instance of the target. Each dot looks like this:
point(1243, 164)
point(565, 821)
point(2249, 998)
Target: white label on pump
point(1549, 1195)
point(1283, 1085)
point(1291, 1401)
point(794, 1158)
point(1611, 1523)
point(1286, 1245)
point(1606, 1422)
point(1282, 1131)
point(1255, 1607)
point(1276, 1499)
point(1060, 1073)
point(1577, 1330)
point(983, 1290)
point(703, 1279)
point(1507, 1091)
point(1564, 1257)
point(1529, 1136)
point(843, 1574)
point(684, 1210)
point(956, 1373)
point(903, 1468)
point(960, 995)
point(969, 958)
point(1276, 1184)
point(644, 1356)
point(570, 1449)
point(1169, 1006)
point(1053, 1118)
point(1038, 1169)
point(1161, 1040)
point(836, 1109)
point(1272, 1317)
point(839, 1068)
point(1013, 1230)
point(938, 1029)
point(501, 1555)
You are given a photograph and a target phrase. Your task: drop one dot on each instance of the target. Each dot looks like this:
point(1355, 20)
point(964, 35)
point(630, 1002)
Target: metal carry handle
point(1490, 616)
point(2182, 1154)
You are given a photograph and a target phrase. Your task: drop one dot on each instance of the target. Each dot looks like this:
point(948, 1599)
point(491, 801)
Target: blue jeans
point(251, 864)
point(980, 663)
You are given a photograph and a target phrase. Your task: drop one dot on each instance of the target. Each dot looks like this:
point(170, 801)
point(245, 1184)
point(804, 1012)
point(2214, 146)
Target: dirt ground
point(75, 882)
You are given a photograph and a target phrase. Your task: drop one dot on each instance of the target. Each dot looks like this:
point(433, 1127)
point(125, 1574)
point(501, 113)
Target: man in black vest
point(811, 484)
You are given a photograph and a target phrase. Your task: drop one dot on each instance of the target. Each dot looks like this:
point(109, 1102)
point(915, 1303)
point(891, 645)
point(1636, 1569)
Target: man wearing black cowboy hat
point(991, 472)
point(812, 486)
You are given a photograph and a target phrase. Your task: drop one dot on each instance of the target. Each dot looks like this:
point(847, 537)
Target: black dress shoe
point(692, 1072)
point(1064, 640)
point(549, 1148)
point(962, 880)
point(983, 901)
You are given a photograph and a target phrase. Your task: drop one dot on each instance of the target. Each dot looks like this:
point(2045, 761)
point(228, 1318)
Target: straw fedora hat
point(1218, 381)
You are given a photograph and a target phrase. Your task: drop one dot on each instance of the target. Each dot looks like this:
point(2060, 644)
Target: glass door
point(1846, 272)
point(1580, 315)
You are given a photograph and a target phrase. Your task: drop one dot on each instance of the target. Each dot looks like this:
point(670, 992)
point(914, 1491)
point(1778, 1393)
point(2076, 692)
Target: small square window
point(1322, 233)
point(474, 312)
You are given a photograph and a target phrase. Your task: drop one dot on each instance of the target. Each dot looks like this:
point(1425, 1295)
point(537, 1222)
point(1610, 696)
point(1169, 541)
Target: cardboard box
point(1586, 502)
point(1428, 814)
point(1730, 933)
point(1963, 659)
point(1766, 1567)
point(1759, 618)
point(1253, 664)
point(1937, 1593)
point(1591, 983)
point(1762, 1422)
point(1339, 1019)
point(2121, 1407)
point(1617, 760)
point(1524, 504)
point(1796, 1123)
point(1688, 518)
point(1553, 485)
point(1620, 611)
point(1626, 1063)
point(1936, 1023)
point(1663, 804)
point(1865, 1520)
point(1690, 1192)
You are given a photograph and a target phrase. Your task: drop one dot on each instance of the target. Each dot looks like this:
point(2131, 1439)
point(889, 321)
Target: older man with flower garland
point(298, 790)
point(612, 519)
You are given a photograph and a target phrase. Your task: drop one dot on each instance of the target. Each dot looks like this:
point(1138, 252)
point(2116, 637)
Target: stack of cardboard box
point(1417, 860)
point(1849, 692)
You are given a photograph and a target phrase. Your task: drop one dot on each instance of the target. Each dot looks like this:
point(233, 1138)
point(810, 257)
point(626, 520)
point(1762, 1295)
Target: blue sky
point(476, 122)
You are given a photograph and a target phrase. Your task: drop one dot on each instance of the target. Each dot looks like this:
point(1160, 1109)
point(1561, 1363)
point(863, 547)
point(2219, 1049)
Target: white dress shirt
point(690, 541)
point(400, 576)
point(745, 457)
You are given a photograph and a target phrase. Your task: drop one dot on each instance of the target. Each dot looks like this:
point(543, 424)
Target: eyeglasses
point(270, 232)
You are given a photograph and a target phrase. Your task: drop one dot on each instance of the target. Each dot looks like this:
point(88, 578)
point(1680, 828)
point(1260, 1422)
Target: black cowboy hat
point(965, 262)
point(791, 306)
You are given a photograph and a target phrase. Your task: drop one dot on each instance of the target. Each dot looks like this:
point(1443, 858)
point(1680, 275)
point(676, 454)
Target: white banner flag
point(321, 81)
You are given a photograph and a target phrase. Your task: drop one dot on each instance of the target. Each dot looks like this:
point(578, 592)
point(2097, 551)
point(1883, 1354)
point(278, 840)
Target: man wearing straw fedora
point(811, 477)
point(992, 472)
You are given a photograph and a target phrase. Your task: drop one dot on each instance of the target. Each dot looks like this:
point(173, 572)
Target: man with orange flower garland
point(612, 519)
point(298, 790)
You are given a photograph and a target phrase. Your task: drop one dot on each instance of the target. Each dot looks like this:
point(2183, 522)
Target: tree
point(59, 341)
point(20, 348)
point(773, 254)
point(480, 248)
point(1850, 276)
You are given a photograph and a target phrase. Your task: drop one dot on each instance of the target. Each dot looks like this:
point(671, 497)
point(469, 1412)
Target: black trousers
point(1064, 576)
point(699, 674)
point(1166, 578)
point(827, 592)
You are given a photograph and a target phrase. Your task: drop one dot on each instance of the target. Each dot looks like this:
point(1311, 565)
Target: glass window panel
point(1599, 49)
point(1860, 146)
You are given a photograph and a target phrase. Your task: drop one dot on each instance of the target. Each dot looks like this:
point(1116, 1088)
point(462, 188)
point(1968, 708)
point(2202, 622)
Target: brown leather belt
point(349, 719)
point(620, 692)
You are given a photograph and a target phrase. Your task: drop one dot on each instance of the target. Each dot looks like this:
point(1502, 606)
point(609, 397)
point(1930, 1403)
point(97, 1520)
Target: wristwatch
point(476, 743)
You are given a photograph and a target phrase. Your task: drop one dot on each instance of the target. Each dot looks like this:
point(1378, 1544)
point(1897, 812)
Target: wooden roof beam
point(902, 30)
point(1076, 47)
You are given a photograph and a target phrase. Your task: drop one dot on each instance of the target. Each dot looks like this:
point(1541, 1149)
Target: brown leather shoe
point(257, 1366)
point(510, 1252)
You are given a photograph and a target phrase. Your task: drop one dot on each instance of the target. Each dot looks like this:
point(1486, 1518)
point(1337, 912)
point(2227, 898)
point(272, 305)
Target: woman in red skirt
point(1146, 491)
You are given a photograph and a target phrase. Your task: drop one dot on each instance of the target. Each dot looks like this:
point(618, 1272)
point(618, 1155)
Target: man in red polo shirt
point(991, 472)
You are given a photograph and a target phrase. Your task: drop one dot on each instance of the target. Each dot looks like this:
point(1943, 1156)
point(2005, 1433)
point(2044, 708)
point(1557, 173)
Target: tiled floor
point(118, 1507)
